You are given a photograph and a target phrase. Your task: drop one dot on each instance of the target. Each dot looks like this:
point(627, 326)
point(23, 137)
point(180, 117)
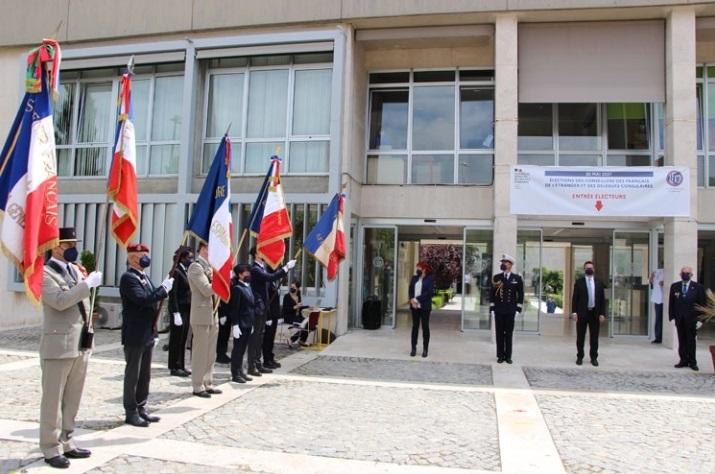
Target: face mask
point(70, 254)
point(418, 272)
point(247, 278)
point(186, 261)
point(145, 261)
point(293, 290)
point(589, 271)
point(502, 267)
point(685, 276)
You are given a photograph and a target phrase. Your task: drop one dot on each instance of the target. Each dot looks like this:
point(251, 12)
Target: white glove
point(516, 315)
point(177, 319)
point(698, 325)
point(492, 314)
point(156, 341)
point(94, 279)
point(290, 264)
point(168, 284)
point(236, 331)
point(269, 322)
point(222, 320)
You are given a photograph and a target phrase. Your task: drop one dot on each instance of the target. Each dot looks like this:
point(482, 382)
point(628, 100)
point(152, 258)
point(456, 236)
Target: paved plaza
point(363, 405)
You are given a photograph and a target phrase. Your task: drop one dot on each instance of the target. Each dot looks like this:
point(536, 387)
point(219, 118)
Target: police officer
point(140, 302)
point(65, 304)
point(507, 296)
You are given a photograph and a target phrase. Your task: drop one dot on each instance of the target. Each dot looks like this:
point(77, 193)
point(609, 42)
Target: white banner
point(600, 191)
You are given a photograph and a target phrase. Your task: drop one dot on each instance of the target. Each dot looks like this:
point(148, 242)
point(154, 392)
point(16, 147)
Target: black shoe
point(203, 394)
point(78, 453)
point(245, 377)
point(254, 372)
point(657, 341)
point(509, 361)
point(694, 367)
point(223, 359)
point(424, 353)
point(238, 379)
point(60, 462)
point(500, 360)
point(594, 362)
point(271, 364)
point(214, 391)
point(264, 370)
point(135, 420)
point(579, 361)
point(413, 352)
point(146, 416)
point(680, 365)
point(180, 373)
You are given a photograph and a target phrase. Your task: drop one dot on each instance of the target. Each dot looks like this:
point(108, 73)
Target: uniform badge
point(677, 294)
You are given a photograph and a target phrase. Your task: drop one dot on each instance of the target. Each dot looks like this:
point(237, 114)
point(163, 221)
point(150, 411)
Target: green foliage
point(88, 261)
point(553, 285)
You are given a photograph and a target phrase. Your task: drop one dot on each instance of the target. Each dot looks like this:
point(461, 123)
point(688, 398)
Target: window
point(275, 105)
point(431, 127)
point(705, 93)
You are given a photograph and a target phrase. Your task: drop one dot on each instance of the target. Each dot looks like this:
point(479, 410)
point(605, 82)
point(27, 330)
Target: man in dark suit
point(506, 299)
point(140, 301)
point(684, 296)
point(261, 279)
point(588, 308)
point(180, 308)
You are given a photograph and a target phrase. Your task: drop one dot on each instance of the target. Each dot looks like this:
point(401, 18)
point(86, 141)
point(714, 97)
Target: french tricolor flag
point(28, 173)
point(270, 223)
point(326, 242)
point(122, 188)
point(211, 220)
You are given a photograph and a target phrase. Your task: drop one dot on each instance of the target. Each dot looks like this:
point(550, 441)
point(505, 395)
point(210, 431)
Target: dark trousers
point(590, 321)
point(177, 341)
point(137, 375)
point(224, 332)
point(686, 340)
point(504, 326)
point(238, 351)
point(255, 345)
point(269, 337)
point(419, 315)
point(658, 336)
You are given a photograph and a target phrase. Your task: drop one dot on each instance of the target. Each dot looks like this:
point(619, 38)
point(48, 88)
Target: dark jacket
point(242, 306)
point(682, 306)
point(506, 296)
point(180, 294)
point(579, 298)
point(425, 298)
point(140, 301)
point(261, 280)
point(291, 315)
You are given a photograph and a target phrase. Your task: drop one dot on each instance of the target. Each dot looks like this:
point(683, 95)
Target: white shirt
point(418, 287)
point(656, 293)
point(590, 286)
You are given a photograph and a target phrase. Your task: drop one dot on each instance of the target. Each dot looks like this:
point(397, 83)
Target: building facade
point(418, 110)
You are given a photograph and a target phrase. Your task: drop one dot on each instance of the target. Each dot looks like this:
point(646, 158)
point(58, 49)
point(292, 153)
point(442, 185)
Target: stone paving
point(28, 339)
point(617, 435)
point(141, 465)
point(597, 380)
point(397, 370)
point(395, 425)
point(14, 455)
point(7, 358)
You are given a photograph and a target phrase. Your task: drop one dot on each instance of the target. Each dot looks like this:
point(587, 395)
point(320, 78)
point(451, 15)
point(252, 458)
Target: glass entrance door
point(528, 264)
point(476, 278)
point(379, 270)
point(629, 283)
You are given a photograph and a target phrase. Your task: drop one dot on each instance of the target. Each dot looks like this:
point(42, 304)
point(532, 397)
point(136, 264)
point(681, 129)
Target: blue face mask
point(145, 261)
point(70, 254)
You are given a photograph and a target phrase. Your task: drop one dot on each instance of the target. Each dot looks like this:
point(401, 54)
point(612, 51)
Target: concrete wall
point(427, 202)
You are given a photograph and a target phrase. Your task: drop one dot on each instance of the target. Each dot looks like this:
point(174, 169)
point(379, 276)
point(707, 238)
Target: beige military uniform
point(204, 325)
point(64, 365)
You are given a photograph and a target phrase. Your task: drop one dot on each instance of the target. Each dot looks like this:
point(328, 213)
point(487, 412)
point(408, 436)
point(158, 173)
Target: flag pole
point(100, 244)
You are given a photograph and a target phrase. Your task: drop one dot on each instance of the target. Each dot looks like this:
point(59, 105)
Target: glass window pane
point(386, 169)
point(711, 71)
point(537, 160)
point(578, 127)
point(628, 126)
point(476, 122)
point(388, 119)
point(275, 60)
point(660, 120)
point(699, 72)
point(311, 102)
point(309, 157)
point(628, 160)
point(312, 58)
point(711, 171)
point(310, 262)
point(225, 105)
point(297, 217)
point(267, 103)
point(477, 75)
point(62, 114)
point(64, 162)
point(711, 115)
point(433, 118)
point(699, 108)
point(210, 153)
point(475, 169)
point(142, 164)
point(432, 169)
point(258, 156)
point(166, 118)
point(90, 161)
point(536, 128)
point(434, 76)
point(701, 170)
point(140, 108)
point(579, 160)
point(389, 77)
point(94, 109)
point(164, 160)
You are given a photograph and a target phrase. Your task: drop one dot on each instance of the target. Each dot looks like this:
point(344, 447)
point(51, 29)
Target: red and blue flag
point(326, 242)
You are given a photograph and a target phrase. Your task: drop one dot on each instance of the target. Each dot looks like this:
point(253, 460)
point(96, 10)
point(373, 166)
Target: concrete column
point(681, 234)
point(506, 111)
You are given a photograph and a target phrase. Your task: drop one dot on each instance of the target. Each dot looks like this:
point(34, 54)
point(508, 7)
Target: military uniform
point(204, 327)
point(507, 298)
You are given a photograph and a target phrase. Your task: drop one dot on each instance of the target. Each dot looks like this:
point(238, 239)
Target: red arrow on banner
point(599, 205)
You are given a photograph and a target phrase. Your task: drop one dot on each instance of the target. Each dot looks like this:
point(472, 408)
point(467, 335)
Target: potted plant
point(89, 264)
point(707, 315)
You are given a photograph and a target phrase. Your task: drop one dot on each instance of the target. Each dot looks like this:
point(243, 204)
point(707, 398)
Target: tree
point(445, 262)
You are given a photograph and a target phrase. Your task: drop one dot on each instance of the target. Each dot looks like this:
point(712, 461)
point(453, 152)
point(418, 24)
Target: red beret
point(137, 248)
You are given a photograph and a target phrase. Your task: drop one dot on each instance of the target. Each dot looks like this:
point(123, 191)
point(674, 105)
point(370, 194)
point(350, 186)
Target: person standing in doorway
point(685, 296)
point(507, 298)
point(179, 308)
point(420, 293)
point(588, 308)
point(656, 297)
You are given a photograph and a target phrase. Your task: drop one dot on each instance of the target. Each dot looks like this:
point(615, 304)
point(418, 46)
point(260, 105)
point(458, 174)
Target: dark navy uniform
point(507, 297)
point(684, 297)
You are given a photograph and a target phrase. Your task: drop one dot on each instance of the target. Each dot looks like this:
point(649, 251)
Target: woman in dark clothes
point(242, 310)
point(292, 314)
point(421, 291)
